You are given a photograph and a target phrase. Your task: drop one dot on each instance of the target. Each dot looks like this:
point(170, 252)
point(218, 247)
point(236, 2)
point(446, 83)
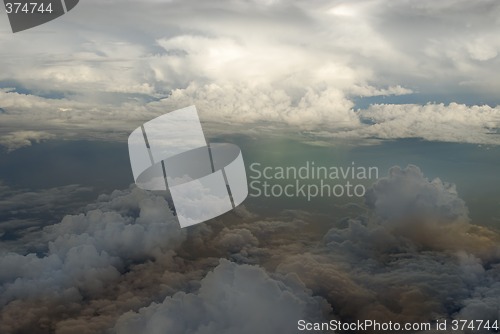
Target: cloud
point(327, 115)
point(127, 251)
point(294, 64)
point(24, 209)
point(433, 122)
point(429, 213)
point(483, 304)
point(240, 105)
point(407, 192)
point(86, 253)
point(300, 64)
point(327, 279)
point(415, 257)
point(232, 298)
point(235, 240)
point(126, 264)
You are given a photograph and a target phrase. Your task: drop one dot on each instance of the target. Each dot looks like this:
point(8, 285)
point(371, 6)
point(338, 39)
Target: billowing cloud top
point(301, 63)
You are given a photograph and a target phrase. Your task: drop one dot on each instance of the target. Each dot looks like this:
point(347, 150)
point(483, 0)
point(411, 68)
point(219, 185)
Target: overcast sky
point(109, 65)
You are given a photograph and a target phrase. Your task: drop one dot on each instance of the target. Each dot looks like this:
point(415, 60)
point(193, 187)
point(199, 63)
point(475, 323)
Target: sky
point(408, 86)
point(296, 63)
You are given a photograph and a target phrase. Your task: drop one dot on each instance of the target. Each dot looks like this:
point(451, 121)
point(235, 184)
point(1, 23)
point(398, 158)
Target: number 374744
point(28, 8)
